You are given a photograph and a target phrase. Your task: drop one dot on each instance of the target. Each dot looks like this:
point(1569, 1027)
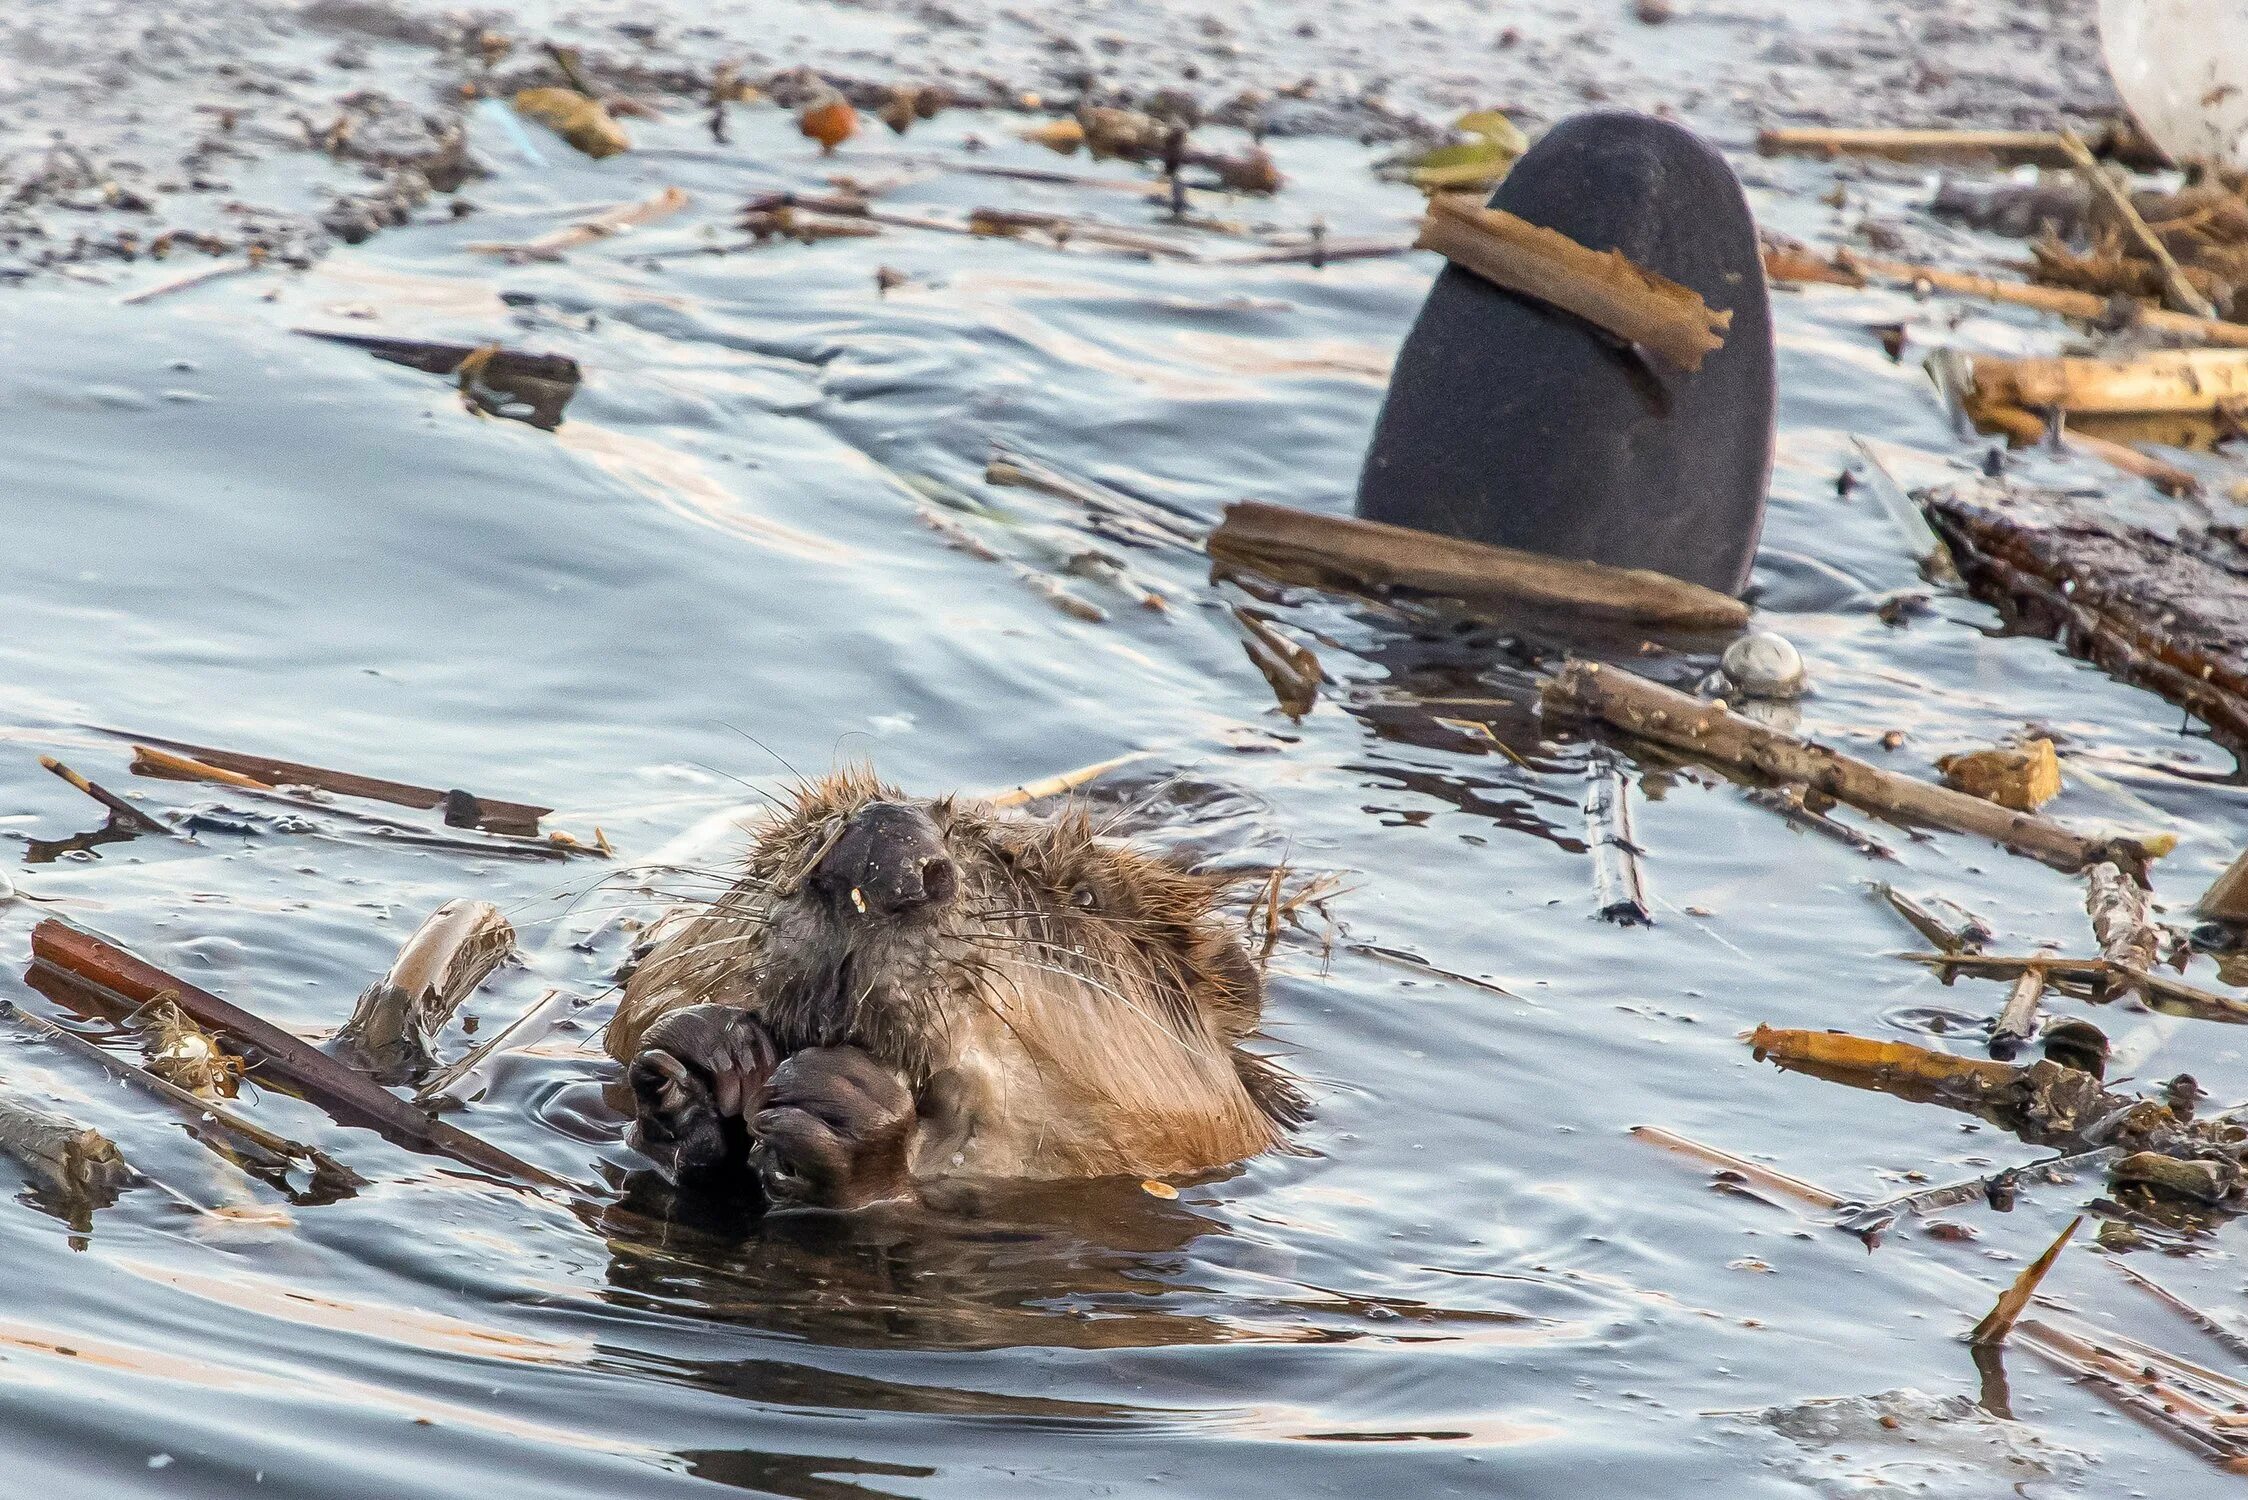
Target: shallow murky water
point(1472, 1280)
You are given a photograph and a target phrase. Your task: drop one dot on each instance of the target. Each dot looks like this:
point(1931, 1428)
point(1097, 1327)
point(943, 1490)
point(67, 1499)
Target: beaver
point(898, 991)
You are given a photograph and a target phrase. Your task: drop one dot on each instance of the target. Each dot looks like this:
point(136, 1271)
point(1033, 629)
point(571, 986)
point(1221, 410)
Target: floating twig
point(1295, 546)
point(1291, 669)
point(1067, 781)
point(2176, 289)
point(2017, 1018)
point(1870, 1220)
point(204, 277)
point(1999, 1322)
point(1967, 938)
point(1791, 802)
point(600, 226)
point(1619, 885)
point(1137, 520)
point(447, 957)
point(1711, 730)
point(1756, 1175)
point(127, 814)
point(2207, 1322)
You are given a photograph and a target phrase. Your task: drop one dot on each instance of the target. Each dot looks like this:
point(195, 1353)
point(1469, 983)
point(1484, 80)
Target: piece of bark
point(2164, 382)
point(1619, 885)
point(453, 951)
point(2180, 293)
point(2121, 924)
point(74, 1162)
point(1797, 264)
point(462, 809)
point(577, 118)
point(1603, 288)
point(2017, 1019)
point(270, 1154)
point(1295, 546)
point(1754, 1174)
point(2023, 778)
point(2012, 1302)
point(350, 1097)
point(2040, 1101)
point(1710, 730)
point(462, 1082)
point(2226, 900)
point(2169, 613)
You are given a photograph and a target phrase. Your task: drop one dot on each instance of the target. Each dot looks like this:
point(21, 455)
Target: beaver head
point(1060, 1003)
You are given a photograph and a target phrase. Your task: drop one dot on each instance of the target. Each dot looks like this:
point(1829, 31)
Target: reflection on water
point(1470, 1280)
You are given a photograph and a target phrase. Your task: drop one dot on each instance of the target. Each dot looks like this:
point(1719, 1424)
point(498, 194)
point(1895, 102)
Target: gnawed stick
point(126, 813)
point(1295, 546)
point(462, 809)
point(275, 1154)
point(72, 1161)
point(1605, 289)
point(1711, 730)
point(2000, 1320)
point(1967, 938)
point(1794, 264)
point(1768, 1178)
point(1619, 886)
point(2017, 1018)
point(2089, 973)
point(350, 1097)
point(1066, 781)
point(2176, 289)
point(462, 1082)
point(448, 956)
point(2207, 1322)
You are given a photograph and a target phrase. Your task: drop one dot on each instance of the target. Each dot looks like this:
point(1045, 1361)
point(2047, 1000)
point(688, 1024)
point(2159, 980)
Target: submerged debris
point(77, 1164)
point(528, 388)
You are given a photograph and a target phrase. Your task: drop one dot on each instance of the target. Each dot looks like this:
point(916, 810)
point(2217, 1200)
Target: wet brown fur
point(1080, 1011)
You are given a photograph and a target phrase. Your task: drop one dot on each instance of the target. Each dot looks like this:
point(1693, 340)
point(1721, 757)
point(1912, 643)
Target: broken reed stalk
point(1603, 288)
point(129, 815)
point(2138, 1390)
point(2000, 1320)
point(1789, 802)
point(1845, 267)
point(599, 226)
point(330, 1177)
point(1290, 669)
point(1968, 938)
point(350, 1097)
point(1150, 523)
point(1758, 1176)
point(451, 1086)
point(2082, 971)
point(70, 1160)
point(236, 266)
point(2223, 1333)
point(1619, 885)
point(1295, 546)
point(453, 951)
point(462, 809)
point(2017, 1018)
point(1067, 781)
point(2176, 289)
point(1637, 706)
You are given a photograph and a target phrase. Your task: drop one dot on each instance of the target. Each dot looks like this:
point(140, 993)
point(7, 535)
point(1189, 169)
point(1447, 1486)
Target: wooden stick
point(2017, 1019)
point(1291, 669)
point(1765, 1177)
point(2154, 1407)
point(1606, 290)
point(2042, 147)
point(1295, 546)
point(2223, 1333)
point(330, 1178)
point(1144, 521)
point(1788, 801)
point(1619, 888)
point(2165, 382)
point(1870, 1220)
point(1848, 268)
point(204, 277)
point(1966, 939)
point(453, 1085)
point(1999, 1322)
point(462, 809)
point(448, 956)
point(1633, 704)
point(352, 1098)
point(1067, 781)
point(2092, 971)
point(2175, 288)
point(70, 1160)
point(129, 815)
point(149, 761)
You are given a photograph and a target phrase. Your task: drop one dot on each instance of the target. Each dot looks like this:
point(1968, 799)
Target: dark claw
point(834, 1133)
point(699, 1072)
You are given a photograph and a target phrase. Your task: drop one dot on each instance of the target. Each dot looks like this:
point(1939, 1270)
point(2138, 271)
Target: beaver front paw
point(701, 1071)
point(834, 1133)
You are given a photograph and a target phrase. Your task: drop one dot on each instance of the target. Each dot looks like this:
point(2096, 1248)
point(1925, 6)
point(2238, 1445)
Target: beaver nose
point(889, 860)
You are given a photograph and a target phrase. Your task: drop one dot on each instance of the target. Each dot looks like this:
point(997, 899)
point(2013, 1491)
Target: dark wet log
point(1711, 730)
point(449, 955)
point(270, 1153)
point(72, 1161)
point(1603, 288)
point(462, 809)
point(350, 1097)
point(1295, 546)
point(2168, 613)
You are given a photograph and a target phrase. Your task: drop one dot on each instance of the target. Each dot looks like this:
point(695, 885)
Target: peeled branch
point(1603, 288)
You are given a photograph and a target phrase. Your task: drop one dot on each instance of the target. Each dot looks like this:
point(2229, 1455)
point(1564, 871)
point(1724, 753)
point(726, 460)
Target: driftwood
point(528, 388)
point(268, 1153)
point(2166, 382)
point(1795, 264)
point(464, 1081)
point(448, 956)
point(2121, 925)
point(2175, 288)
point(462, 809)
point(1604, 289)
point(71, 1161)
point(1619, 886)
point(1869, 1221)
point(2169, 613)
point(350, 1097)
point(2096, 977)
point(1968, 937)
point(1710, 730)
point(1295, 546)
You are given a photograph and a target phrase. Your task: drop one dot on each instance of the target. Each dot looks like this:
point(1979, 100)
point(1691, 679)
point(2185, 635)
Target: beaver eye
point(1083, 898)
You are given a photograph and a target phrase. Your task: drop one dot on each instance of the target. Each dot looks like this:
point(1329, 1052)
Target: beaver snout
point(889, 860)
